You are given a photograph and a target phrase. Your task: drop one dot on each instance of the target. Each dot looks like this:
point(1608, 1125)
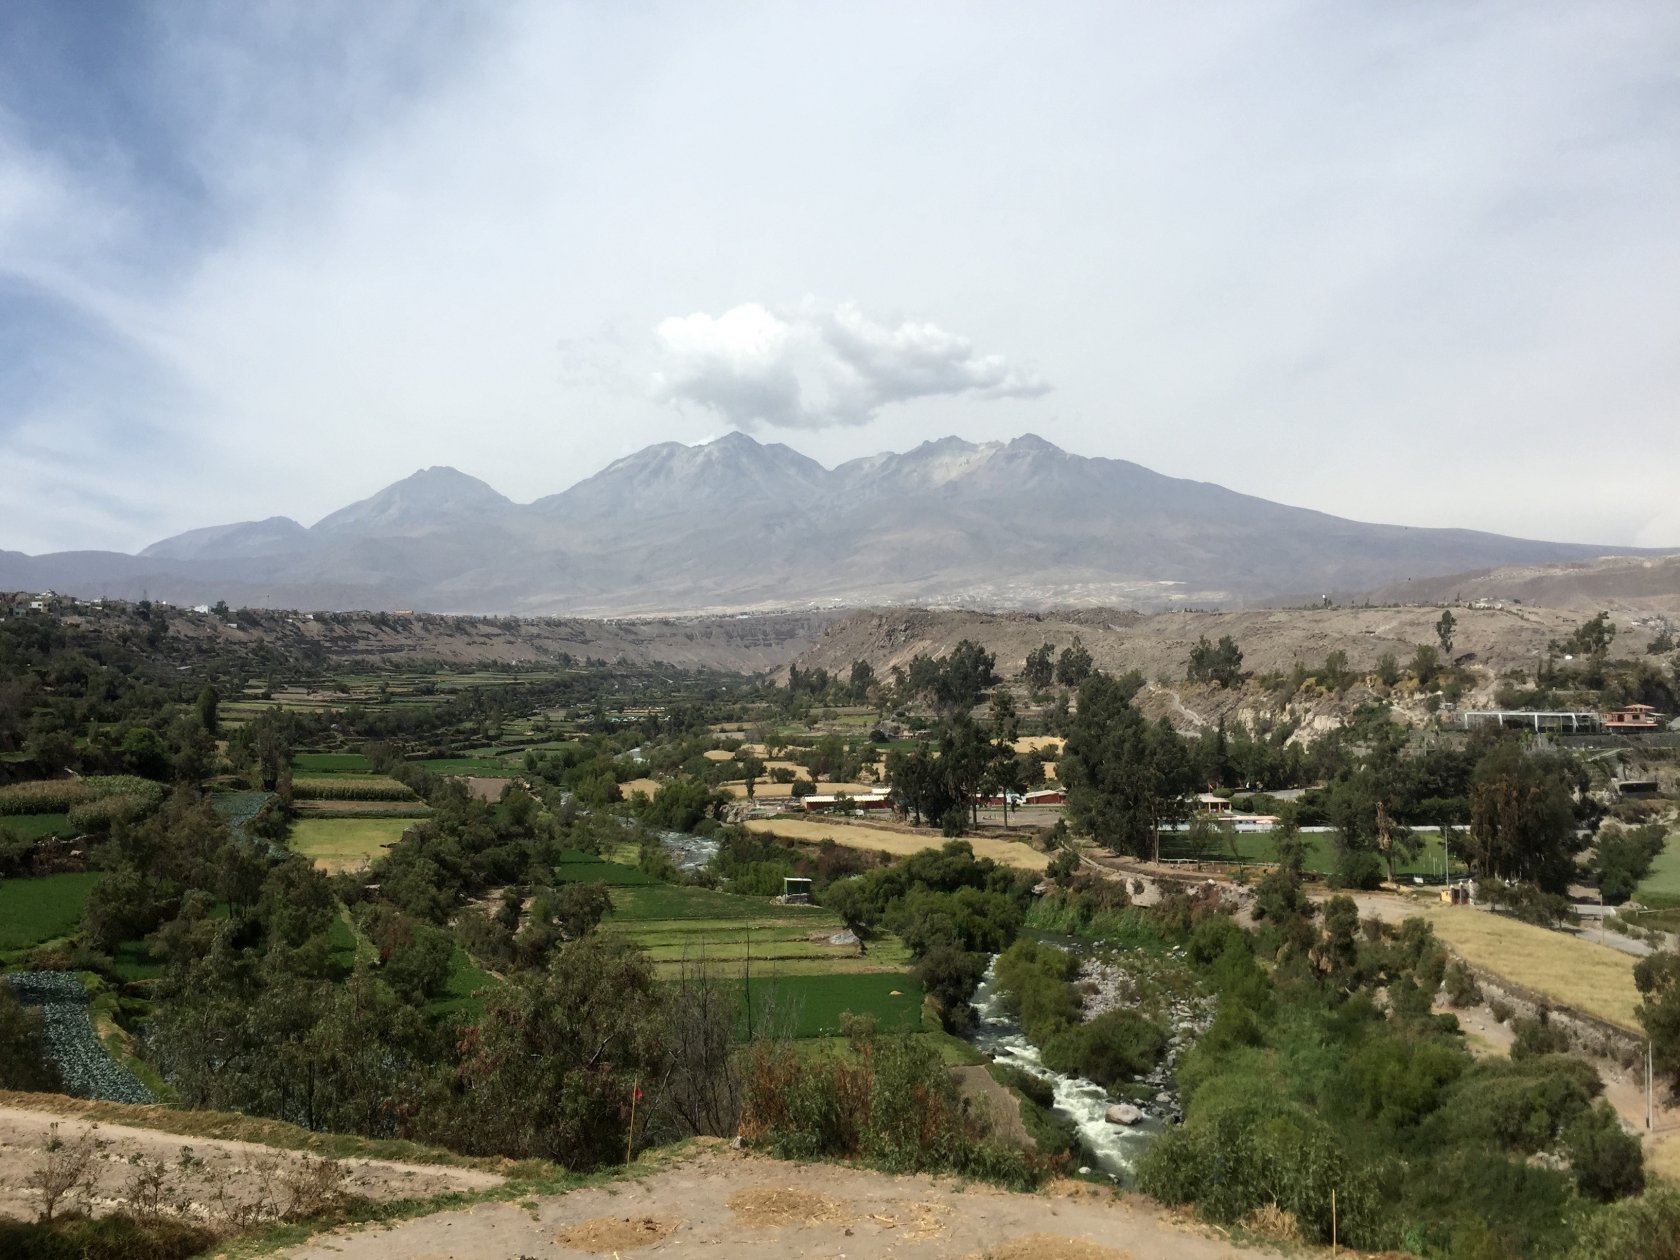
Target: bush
point(1462, 989)
point(117, 1237)
point(1357, 868)
point(1114, 1047)
point(1536, 1037)
point(1646, 1228)
point(1608, 1162)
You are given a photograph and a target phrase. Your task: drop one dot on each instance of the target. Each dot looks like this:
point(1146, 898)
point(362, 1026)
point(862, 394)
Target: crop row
point(87, 1070)
point(58, 796)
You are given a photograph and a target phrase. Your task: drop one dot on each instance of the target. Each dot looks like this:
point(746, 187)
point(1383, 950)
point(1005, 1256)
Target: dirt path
point(740, 1207)
point(245, 1171)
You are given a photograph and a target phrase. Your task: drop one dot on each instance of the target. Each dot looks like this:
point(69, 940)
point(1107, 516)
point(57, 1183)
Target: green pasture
point(477, 767)
point(679, 926)
point(811, 1005)
point(331, 763)
point(339, 844)
point(37, 826)
point(577, 867)
point(1662, 886)
point(1319, 851)
point(465, 980)
point(42, 908)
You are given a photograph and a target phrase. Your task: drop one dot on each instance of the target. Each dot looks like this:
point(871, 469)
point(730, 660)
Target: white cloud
point(812, 368)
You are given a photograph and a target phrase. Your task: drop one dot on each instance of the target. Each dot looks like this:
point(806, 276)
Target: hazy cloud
point(813, 368)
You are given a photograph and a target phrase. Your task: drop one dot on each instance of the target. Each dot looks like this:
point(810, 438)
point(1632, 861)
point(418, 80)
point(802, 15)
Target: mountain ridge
point(739, 524)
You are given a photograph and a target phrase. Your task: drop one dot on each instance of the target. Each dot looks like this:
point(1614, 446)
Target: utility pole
point(1649, 1108)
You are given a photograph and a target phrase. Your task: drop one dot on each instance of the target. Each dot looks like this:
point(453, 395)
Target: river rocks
point(1123, 1113)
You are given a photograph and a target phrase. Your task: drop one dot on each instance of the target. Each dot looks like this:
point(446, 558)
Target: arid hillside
point(1638, 586)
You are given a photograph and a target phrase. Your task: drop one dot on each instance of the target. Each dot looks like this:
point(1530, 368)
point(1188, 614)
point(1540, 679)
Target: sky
point(1410, 263)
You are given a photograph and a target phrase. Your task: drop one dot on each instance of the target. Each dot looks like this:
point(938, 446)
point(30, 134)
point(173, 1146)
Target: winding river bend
point(1112, 1148)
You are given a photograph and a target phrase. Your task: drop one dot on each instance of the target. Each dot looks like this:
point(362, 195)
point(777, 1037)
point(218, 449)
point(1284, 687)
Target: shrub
point(117, 1237)
point(1114, 1047)
point(1608, 1162)
point(1646, 1228)
point(1501, 1010)
point(1536, 1037)
point(1462, 989)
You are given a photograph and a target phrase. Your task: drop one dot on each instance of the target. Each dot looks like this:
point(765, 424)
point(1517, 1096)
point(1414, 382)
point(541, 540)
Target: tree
point(1218, 663)
point(1006, 726)
point(209, 705)
point(1073, 667)
point(1124, 776)
point(1522, 819)
point(1388, 669)
point(862, 680)
point(1426, 663)
point(1444, 631)
point(1657, 977)
point(24, 1063)
point(1040, 670)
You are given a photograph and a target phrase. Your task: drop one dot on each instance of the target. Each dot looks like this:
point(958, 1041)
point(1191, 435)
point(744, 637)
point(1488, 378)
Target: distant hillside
point(1648, 585)
point(734, 524)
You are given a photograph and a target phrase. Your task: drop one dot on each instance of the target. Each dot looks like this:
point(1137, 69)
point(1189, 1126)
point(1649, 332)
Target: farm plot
point(41, 909)
point(1662, 886)
point(695, 926)
point(349, 787)
point(37, 826)
point(87, 1070)
point(479, 767)
point(1571, 972)
point(346, 844)
point(1318, 852)
point(899, 843)
point(331, 763)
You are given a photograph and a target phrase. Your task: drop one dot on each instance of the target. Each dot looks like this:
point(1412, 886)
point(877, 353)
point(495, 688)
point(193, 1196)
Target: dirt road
point(242, 1172)
point(741, 1207)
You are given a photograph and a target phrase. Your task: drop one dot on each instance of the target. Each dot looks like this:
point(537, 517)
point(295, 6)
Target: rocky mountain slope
point(735, 524)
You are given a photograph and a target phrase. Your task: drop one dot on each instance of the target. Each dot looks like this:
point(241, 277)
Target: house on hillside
point(821, 803)
point(1210, 803)
point(1632, 719)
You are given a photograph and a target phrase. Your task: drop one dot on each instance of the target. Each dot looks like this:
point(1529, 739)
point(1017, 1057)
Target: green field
point(477, 767)
point(465, 979)
point(342, 844)
point(1662, 885)
point(811, 1006)
point(35, 826)
point(675, 925)
point(349, 787)
point(331, 763)
point(1320, 852)
point(46, 908)
point(576, 867)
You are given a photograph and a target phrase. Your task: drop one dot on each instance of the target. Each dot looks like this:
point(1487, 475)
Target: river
point(1112, 1148)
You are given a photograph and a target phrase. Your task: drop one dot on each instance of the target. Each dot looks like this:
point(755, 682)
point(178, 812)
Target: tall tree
point(1125, 776)
point(1522, 818)
point(1073, 667)
point(1444, 631)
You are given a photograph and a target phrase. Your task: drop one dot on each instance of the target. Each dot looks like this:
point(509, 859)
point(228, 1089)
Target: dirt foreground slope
point(742, 1207)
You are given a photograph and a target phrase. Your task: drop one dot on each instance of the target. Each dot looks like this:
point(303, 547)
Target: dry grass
point(769, 1207)
point(1274, 1223)
point(1662, 1157)
point(877, 839)
point(1571, 972)
point(1048, 744)
point(614, 1234)
point(650, 786)
point(717, 754)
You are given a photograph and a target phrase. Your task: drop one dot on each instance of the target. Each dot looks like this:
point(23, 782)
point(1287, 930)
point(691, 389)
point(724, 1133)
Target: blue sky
point(1409, 263)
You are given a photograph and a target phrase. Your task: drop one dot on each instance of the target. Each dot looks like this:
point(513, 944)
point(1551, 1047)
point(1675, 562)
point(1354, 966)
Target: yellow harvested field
point(717, 754)
point(1045, 743)
point(650, 786)
point(762, 790)
point(1572, 972)
point(1662, 1157)
point(346, 844)
point(899, 843)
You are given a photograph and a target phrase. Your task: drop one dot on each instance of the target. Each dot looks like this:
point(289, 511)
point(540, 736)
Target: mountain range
point(736, 524)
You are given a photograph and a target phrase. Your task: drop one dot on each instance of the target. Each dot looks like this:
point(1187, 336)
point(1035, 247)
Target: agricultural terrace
point(41, 909)
point(1661, 887)
point(345, 844)
point(878, 839)
point(36, 826)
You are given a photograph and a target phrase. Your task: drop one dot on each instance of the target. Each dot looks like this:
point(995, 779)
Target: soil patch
point(607, 1233)
point(1054, 1247)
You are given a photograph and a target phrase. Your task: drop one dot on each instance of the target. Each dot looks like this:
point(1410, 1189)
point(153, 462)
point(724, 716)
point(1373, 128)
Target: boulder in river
point(1123, 1113)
